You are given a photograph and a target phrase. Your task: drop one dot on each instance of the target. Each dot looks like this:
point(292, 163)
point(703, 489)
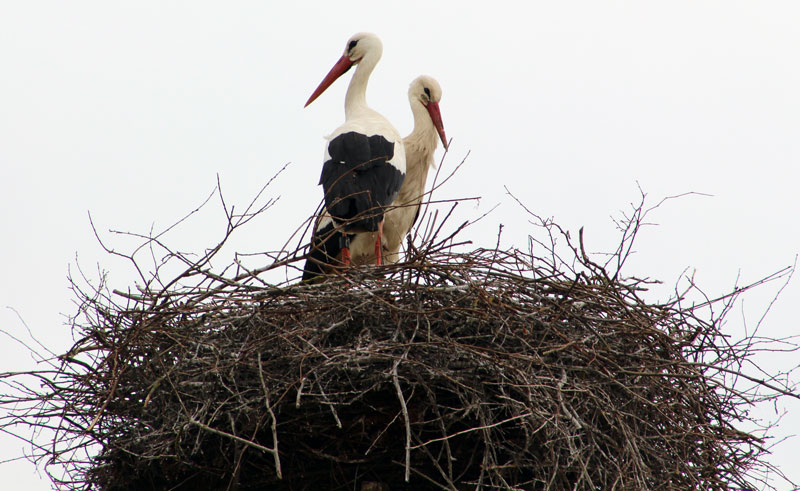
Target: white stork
point(365, 162)
point(424, 95)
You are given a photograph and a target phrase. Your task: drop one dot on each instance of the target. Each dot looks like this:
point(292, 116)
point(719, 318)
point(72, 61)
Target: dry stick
point(468, 430)
point(247, 212)
point(114, 383)
point(234, 437)
point(330, 404)
point(758, 381)
point(196, 265)
point(436, 185)
point(274, 423)
point(299, 392)
point(428, 478)
point(375, 440)
point(396, 381)
point(445, 476)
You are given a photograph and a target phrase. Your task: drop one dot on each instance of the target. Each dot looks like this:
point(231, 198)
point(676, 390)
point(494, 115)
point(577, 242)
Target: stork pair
point(368, 168)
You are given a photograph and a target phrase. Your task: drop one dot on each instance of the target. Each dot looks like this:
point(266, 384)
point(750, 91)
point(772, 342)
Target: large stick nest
point(487, 369)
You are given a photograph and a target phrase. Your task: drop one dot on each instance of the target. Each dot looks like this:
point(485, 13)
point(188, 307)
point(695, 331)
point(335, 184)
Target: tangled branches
point(488, 369)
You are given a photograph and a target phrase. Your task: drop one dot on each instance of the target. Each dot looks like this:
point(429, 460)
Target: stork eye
point(352, 45)
point(427, 91)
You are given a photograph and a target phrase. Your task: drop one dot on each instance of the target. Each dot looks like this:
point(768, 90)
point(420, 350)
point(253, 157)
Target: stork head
point(425, 90)
point(360, 46)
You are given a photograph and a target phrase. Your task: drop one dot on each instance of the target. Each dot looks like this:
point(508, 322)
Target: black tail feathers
point(326, 248)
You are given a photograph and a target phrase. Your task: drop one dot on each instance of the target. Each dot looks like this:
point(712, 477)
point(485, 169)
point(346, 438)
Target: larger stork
point(424, 95)
point(365, 161)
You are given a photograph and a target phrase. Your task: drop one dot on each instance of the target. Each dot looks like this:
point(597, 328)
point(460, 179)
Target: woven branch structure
point(489, 369)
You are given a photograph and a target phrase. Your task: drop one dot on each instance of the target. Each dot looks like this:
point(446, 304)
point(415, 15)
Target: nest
point(491, 369)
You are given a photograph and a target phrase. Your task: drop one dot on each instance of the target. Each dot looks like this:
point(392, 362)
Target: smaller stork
point(424, 95)
point(364, 163)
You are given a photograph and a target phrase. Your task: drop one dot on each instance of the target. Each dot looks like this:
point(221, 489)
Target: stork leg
point(379, 244)
point(345, 243)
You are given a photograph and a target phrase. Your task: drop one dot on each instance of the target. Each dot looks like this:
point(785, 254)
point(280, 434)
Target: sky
point(130, 111)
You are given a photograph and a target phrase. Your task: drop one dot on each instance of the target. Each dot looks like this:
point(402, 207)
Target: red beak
point(337, 71)
point(436, 117)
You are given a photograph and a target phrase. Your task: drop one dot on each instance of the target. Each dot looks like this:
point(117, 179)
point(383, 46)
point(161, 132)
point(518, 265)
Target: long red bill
point(436, 117)
point(337, 71)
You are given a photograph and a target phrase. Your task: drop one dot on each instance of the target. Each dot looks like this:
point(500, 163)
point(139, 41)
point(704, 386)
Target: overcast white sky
point(130, 110)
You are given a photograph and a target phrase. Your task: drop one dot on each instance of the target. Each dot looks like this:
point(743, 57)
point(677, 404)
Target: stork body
point(364, 164)
point(424, 95)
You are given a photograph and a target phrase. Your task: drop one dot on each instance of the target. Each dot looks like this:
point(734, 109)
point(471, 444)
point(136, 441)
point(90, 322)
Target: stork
point(364, 163)
point(424, 95)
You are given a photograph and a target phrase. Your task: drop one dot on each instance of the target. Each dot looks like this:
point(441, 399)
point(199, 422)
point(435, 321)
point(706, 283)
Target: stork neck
point(356, 99)
point(424, 131)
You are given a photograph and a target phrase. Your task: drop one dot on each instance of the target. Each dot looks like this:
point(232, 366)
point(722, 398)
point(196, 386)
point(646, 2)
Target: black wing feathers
point(358, 180)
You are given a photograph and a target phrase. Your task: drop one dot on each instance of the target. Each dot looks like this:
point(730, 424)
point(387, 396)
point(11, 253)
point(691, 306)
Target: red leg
point(379, 244)
point(346, 256)
point(344, 243)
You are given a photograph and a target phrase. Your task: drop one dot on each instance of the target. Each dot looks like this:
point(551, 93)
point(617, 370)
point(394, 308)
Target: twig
point(402, 400)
